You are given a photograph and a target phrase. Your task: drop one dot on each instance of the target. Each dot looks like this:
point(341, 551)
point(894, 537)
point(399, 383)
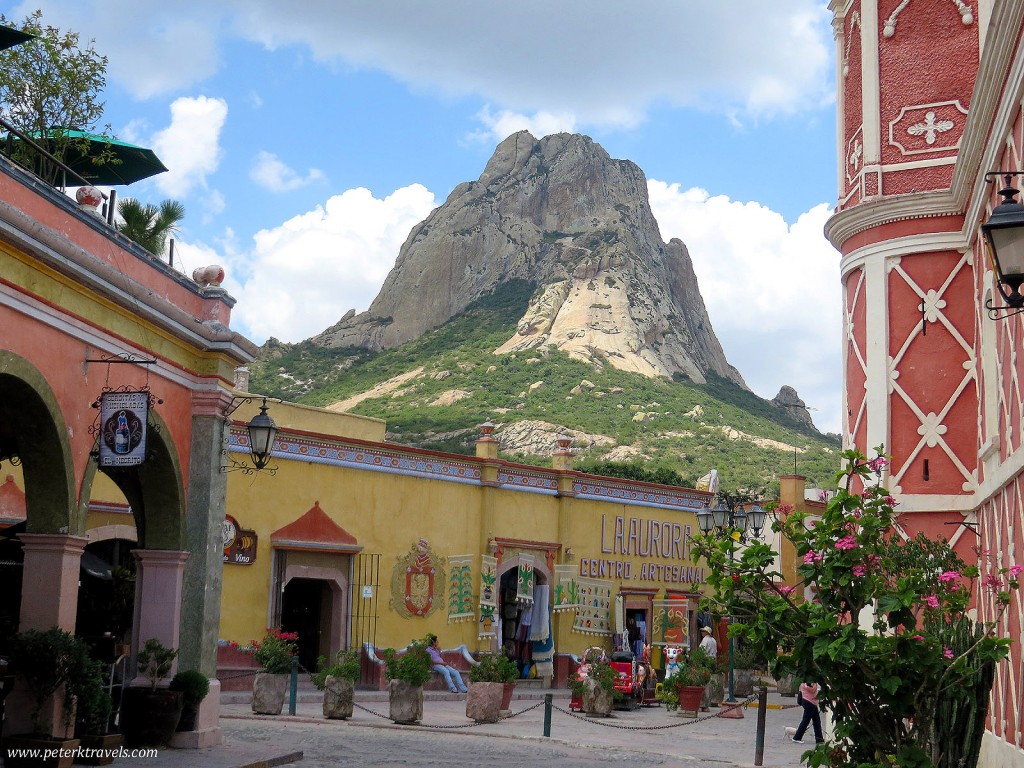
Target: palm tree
point(149, 225)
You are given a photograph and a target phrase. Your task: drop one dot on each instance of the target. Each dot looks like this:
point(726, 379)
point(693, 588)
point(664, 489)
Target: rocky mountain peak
point(559, 213)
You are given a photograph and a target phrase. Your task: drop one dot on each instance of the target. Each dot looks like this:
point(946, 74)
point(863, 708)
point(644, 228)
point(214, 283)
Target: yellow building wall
point(388, 513)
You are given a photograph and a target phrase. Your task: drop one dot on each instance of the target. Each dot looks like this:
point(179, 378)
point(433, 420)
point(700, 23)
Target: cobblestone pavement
point(650, 736)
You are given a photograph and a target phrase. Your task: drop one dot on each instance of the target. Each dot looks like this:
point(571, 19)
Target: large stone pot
point(339, 697)
point(597, 701)
point(787, 685)
point(483, 702)
point(714, 691)
point(406, 701)
point(268, 692)
point(743, 682)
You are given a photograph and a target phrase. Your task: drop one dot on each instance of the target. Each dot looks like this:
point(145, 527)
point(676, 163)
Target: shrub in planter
point(194, 686)
point(489, 679)
point(338, 682)
point(596, 688)
point(46, 660)
point(149, 716)
point(274, 654)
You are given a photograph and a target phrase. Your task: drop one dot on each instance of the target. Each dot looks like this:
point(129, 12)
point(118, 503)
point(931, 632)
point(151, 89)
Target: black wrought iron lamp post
point(730, 518)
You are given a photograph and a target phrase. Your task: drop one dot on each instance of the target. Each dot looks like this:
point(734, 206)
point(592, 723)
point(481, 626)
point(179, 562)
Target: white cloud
point(772, 291)
point(499, 126)
point(270, 173)
point(300, 277)
point(591, 58)
point(190, 145)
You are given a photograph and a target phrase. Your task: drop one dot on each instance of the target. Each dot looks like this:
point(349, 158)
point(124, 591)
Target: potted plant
point(491, 683)
point(274, 655)
point(406, 673)
point(714, 689)
point(47, 661)
point(194, 686)
point(338, 682)
point(594, 686)
point(686, 690)
point(744, 661)
point(93, 705)
point(150, 715)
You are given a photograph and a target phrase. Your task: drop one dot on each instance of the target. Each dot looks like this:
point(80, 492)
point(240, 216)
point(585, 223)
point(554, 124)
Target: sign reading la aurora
point(640, 537)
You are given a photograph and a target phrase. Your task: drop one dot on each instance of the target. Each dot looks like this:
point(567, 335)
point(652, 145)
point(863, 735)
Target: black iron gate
point(363, 619)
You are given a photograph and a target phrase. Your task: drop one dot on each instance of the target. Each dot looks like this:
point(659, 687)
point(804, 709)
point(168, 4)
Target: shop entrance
point(306, 602)
point(517, 621)
point(637, 630)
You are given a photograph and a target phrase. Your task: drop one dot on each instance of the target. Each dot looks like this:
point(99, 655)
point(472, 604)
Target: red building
point(929, 107)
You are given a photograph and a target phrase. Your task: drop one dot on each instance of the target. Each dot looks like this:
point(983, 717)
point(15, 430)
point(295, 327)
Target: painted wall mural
point(488, 596)
point(417, 581)
point(460, 589)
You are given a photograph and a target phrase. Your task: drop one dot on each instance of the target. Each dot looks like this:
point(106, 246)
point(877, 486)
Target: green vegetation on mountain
point(676, 431)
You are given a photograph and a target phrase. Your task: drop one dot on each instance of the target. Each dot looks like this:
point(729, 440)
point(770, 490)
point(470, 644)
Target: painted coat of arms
point(418, 581)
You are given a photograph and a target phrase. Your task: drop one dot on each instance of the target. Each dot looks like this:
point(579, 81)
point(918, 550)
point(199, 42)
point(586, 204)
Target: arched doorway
point(524, 625)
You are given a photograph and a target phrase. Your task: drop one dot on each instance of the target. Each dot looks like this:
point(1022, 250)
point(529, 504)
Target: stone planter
point(714, 691)
point(690, 697)
point(268, 693)
point(787, 685)
point(406, 701)
point(339, 698)
point(483, 702)
point(743, 682)
point(597, 701)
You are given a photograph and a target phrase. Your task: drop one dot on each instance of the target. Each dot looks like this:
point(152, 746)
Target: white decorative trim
point(889, 28)
point(930, 127)
point(854, 155)
point(854, 22)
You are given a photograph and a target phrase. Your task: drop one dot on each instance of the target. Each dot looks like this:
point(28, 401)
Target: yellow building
point(351, 541)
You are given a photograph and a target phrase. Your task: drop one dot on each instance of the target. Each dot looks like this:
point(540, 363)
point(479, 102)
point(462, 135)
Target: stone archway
point(33, 428)
point(524, 650)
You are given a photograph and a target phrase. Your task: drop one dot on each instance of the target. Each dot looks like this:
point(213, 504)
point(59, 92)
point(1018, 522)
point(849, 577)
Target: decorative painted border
point(527, 479)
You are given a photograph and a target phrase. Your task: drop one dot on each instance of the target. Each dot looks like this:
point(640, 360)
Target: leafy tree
point(905, 672)
point(51, 82)
point(147, 224)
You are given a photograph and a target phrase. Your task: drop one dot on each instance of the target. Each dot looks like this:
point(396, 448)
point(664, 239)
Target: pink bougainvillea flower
point(860, 570)
point(946, 576)
point(1015, 571)
point(948, 653)
point(813, 557)
point(932, 601)
point(878, 463)
point(847, 542)
point(917, 637)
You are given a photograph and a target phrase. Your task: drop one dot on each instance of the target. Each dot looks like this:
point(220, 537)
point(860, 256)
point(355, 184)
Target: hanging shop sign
point(123, 420)
point(239, 543)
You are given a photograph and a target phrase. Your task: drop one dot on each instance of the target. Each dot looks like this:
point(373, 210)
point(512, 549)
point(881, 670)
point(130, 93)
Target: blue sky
point(306, 139)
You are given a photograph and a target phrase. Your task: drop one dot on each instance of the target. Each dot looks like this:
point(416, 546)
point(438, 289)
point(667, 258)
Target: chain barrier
point(449, 727)
point(725, 706)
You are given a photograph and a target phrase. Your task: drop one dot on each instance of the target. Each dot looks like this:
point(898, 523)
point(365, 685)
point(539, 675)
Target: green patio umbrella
point(128, 162)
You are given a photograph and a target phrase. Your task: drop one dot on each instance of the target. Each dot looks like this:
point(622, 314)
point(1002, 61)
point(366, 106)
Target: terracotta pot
point(268, 693)
point(149, 717)
point(506, 696)
point(690, 697)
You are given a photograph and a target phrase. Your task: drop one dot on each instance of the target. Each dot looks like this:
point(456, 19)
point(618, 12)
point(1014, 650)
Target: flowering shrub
point(274, 652)
point(905, 672)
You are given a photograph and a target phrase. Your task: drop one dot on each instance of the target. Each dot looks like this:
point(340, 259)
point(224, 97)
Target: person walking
point(808, 699)
point(450, 674)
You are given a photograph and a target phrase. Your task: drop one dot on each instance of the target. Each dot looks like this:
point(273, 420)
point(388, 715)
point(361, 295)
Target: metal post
point(294, 687)
point(762, 711)
point(547, 715)
point(732, 643)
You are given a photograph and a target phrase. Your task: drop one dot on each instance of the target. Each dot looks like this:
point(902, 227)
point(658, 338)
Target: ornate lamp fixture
point(1004, 233)
point(262, 430)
